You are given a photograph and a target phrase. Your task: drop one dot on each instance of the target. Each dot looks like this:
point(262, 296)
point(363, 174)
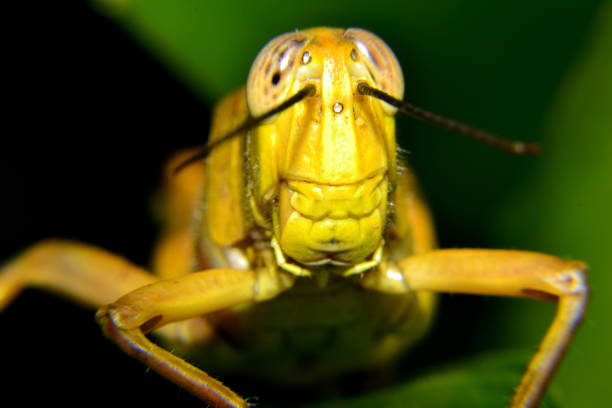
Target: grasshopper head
point(322, 169)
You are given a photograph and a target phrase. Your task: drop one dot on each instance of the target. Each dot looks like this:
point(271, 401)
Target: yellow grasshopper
point(302, 217)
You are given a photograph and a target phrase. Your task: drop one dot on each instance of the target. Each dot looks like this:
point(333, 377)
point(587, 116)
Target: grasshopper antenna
point(510, 146)
point(249, 123)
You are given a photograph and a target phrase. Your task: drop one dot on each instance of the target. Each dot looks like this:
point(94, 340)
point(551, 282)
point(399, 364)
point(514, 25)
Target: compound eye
point(273, 72)
point(384, 69)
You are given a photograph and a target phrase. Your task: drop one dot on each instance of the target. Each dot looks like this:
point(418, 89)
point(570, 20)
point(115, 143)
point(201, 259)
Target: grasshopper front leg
point(127, 320)
point(502, 273)
point(89, 275)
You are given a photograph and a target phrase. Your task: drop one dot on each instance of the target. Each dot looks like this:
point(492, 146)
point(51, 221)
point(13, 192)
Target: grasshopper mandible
point(301, 210)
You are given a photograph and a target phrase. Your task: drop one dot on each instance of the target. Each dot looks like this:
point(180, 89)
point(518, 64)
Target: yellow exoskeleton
point(300, 236)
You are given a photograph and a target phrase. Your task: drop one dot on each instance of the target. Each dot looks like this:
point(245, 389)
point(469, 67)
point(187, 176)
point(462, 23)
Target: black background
point(90, 119)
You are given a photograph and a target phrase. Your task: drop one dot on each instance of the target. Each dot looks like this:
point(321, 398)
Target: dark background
point(93, 114)
point(92, 118)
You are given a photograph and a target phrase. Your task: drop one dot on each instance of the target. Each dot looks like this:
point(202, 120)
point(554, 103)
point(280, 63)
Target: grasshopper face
point(329, 161)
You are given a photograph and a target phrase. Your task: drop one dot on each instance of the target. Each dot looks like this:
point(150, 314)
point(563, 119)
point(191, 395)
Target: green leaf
point(485, 381)
point(567, 202)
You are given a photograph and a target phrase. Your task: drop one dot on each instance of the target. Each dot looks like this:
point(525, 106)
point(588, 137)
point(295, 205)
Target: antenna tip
point(525, 148)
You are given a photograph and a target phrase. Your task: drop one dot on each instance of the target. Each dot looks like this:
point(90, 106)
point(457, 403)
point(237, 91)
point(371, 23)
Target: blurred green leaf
point(482, 382)
point(567, 205)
